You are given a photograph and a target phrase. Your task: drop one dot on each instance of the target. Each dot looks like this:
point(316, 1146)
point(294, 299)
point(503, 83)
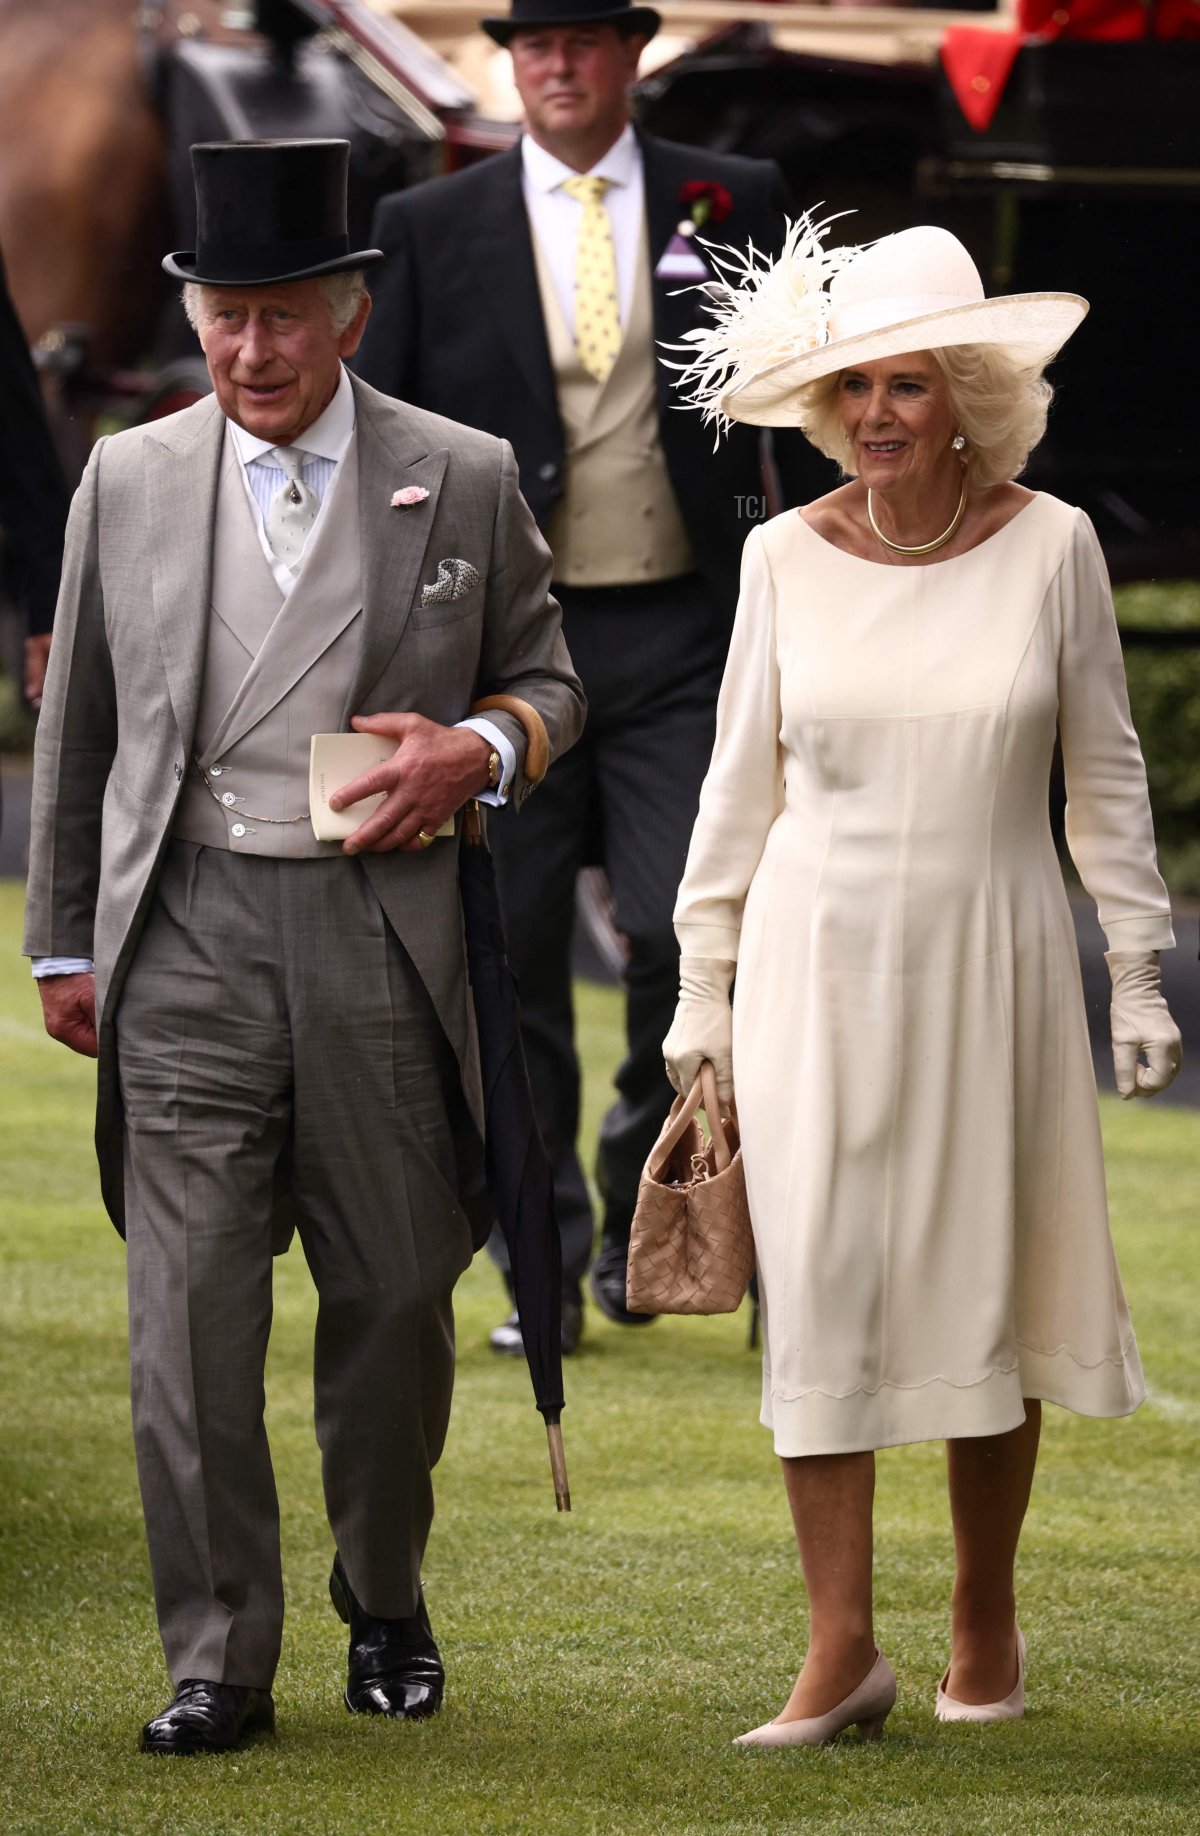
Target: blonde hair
point(999, 401)
point(342, 293)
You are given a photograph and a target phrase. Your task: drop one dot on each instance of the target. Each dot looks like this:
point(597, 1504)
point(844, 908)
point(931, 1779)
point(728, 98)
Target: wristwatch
point(495, 769)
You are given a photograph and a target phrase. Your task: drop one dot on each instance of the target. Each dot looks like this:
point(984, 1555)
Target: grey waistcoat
point(276, 671)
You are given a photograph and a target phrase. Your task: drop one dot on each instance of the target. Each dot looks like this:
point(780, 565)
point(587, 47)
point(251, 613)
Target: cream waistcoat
point(617, 521)
point(276, 671)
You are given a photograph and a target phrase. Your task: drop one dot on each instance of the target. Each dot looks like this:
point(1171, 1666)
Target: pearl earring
point(958, 443)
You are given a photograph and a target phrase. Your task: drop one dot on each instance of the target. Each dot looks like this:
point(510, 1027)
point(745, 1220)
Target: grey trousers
point(276, 1046)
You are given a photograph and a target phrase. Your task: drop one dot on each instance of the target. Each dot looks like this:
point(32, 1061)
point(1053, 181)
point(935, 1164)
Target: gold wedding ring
point(424, 837)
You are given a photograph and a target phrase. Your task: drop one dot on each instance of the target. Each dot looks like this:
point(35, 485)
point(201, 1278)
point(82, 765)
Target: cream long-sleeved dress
point(911, 1057)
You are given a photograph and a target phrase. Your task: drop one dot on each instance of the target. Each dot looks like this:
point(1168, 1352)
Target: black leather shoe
point(506, 1338)
point(208, 1718)
point(607, 1281)
point(395, 1667)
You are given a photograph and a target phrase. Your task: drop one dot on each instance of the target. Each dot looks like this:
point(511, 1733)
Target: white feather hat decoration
point(764, 313)
point(915, 291)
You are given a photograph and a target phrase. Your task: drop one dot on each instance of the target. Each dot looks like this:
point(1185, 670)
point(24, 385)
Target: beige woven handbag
point(690, 1247)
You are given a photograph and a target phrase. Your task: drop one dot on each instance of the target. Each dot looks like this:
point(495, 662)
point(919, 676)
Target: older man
point(283, 1023)
point(532, 296)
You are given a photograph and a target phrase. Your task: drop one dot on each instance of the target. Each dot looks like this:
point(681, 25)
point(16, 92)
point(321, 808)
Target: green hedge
point(16, 722)
point(1164, 693)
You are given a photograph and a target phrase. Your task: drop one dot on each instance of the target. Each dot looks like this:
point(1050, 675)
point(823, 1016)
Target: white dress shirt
point(325, 443)
point(555, 216)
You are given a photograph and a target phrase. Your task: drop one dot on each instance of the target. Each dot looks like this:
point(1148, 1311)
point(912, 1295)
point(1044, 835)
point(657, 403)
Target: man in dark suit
point(531, 296)
point(33, 497)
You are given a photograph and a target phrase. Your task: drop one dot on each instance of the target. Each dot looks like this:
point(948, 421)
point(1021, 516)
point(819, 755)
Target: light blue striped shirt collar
point(324, 446)
point(327, 438)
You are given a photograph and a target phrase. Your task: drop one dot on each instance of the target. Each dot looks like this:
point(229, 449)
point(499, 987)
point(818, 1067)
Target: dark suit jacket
point(33, 493)
point(457, 328)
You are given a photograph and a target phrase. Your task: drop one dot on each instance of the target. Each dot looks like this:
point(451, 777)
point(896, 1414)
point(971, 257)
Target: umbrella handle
point(472, 827)
point(558, 1466)
point(537, 741)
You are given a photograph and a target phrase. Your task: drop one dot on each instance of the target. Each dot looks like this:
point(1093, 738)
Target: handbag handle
point(712, 1109)
point(702, 1095)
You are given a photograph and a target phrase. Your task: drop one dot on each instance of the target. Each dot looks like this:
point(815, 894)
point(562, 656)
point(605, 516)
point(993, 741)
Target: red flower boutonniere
point(681, 260)
point(707, 201)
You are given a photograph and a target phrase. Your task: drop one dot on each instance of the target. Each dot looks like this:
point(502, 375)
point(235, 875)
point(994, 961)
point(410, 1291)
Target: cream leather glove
point(703, 1024)
point(1141, 1022)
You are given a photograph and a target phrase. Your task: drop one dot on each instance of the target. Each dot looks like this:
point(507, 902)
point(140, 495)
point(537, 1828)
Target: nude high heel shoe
point(869, 1706)
point(947, 1708)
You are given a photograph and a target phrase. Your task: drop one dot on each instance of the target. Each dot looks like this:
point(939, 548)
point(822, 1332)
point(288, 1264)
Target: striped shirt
point(324, 445)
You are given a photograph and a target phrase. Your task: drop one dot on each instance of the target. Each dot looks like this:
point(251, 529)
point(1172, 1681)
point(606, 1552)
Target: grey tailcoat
point(118, 720)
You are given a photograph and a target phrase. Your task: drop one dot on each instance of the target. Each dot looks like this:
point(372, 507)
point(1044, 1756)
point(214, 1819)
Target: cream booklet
point(334, 759)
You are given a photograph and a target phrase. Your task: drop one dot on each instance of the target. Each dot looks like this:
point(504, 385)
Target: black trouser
point(650, 659)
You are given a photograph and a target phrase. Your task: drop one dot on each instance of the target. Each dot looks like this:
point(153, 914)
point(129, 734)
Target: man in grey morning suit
point(283, 1024)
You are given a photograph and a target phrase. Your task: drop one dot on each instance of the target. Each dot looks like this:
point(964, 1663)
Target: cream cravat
point(597, 313)
point(293, 509)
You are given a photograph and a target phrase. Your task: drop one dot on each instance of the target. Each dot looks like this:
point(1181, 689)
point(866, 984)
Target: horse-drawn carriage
point(1086, 177)
point(281, 68)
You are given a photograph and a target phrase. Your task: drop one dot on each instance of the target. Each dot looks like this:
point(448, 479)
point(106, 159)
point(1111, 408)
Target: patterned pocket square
point(454, 580)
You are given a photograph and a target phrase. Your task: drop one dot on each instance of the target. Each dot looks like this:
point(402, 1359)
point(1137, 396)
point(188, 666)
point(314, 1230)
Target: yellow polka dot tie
point(597, 314)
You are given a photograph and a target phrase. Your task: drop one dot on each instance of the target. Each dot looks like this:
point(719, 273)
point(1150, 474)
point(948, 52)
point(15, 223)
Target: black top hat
point(269, 211)
point(529, 15)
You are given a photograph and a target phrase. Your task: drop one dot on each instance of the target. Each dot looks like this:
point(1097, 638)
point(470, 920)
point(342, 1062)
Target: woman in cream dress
point(908, 1039)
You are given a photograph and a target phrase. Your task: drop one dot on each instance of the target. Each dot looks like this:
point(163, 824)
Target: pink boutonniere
point(409, 497)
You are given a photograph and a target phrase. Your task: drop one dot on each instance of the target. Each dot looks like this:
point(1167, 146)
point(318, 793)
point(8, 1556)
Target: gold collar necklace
point(920, 548)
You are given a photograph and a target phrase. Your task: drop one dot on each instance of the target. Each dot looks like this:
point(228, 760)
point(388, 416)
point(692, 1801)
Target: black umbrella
point(518, 1168)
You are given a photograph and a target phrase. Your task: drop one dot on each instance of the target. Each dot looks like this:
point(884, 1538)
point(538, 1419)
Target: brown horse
point(83, 183)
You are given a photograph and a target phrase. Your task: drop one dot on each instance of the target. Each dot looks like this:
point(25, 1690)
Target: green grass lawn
point(599, 1664)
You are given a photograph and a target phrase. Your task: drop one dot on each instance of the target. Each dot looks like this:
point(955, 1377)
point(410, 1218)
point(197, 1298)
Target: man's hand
point(431, 774)
point(69, 1009)
point(37, 655)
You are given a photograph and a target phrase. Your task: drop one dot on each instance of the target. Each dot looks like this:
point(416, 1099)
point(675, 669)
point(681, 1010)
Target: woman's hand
point(1141, 1022)
point(703, 1024)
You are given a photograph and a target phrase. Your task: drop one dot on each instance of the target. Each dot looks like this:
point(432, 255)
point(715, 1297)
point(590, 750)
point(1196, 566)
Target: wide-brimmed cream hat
point(816, 310)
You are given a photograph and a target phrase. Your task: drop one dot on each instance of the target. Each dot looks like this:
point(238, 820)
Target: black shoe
point(506, 1338)
point(208, 1718)
point(395, 1667)
point(607, 1281)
